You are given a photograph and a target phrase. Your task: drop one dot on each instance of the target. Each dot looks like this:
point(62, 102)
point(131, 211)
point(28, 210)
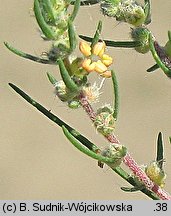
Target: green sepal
point(46, 29)
point(160, 149)
point(28, 56)
point(70, 84)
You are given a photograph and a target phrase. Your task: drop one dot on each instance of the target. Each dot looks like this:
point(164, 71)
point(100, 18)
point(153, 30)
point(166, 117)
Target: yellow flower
point(107, 60)
point(88, 65)
point(85, 48)
point(101, 65)
point(106, 74)
point(99, 48)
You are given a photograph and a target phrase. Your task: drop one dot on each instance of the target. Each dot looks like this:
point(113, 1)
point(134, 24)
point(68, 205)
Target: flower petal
point(107, 60)
point(88, 66)
point(99, 48)
point(106, 74)
point(100, 67)
point(85, 48)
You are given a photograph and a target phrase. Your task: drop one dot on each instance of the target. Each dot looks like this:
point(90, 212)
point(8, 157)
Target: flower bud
point(105, 122)
point(62, 92)
point(99, 48)
point(74, 104)
point(106, 74)
point(85, 48)
point(155, 173)
point(141, 34)
point(88, 66)
point(100, 67)
point(107, 60)
point(115, 152)
point(109, 7)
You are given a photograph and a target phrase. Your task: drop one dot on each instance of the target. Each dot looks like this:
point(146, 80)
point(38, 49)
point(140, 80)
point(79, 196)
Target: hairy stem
point(128, 160)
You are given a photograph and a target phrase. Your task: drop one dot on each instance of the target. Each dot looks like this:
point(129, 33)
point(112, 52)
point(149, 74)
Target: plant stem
point(128, 160)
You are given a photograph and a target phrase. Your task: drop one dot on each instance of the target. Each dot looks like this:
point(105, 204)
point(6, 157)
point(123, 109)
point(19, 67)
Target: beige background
point(36, 160)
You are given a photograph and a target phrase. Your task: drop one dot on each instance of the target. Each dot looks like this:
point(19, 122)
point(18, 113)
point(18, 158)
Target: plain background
point(36, 160)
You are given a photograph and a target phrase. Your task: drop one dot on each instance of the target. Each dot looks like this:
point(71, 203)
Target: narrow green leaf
point(46, 29)
point(169, 36)
point(170, 139)
point(96, 37)
point(147, 10)
point(133, 189)
point(27, 56)
point(86, 2)
point(54, 118)
point(72, 36)
point(165, 69)
point(159, 157)
point(85, 150)
point(48, 7)
point(70, 84)
point(116, 95)
point(123, 44)
point(51, 79)
point(75, 10)
point(153, 68)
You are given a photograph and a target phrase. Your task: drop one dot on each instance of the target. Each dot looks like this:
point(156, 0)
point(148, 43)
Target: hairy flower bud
point(115, 152)
point(74, 104)
point(155, 173)
point(105, 122)
point(62, 92)
point(125, 10)
point(141, 34)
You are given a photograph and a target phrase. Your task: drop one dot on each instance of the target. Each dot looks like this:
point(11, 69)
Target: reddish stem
point(128, 160)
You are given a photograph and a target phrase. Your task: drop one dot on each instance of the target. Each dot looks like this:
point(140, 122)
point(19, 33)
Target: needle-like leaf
point(156, 50)
point(46, 29)
point(28, 56)
point(123, 44)
point(116, 95)
point(147, 10)
point(153, 68)
point(70, 84)
point(96, 37)
point(75, 10)
point(85, 150)
point(159, 157)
